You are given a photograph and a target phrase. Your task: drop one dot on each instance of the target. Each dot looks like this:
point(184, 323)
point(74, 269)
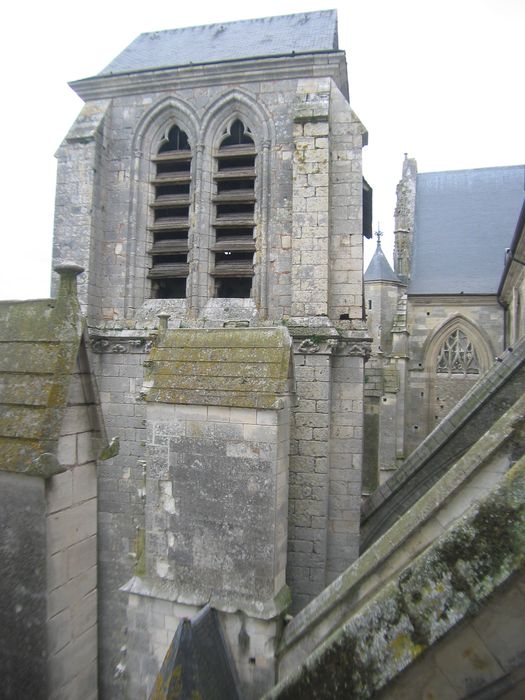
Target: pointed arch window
point(233, 245)
point(457, 355)
point(170, 216)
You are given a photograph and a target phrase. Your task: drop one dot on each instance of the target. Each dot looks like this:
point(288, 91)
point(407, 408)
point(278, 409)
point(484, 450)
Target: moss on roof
point(243, 367)
point(39, 342)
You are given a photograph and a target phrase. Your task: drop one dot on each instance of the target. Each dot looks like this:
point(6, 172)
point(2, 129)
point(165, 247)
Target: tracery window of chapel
point(170, 216)
point(457, 355)
point(233, 246)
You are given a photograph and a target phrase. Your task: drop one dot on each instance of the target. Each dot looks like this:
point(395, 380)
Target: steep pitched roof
point(197, 663)
point(464, 221)
point(379, 269)
point(308, 32)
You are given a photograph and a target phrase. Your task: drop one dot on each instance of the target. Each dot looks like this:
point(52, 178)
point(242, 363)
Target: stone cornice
point(460, 299)
point(327, 340)
point(324, 64)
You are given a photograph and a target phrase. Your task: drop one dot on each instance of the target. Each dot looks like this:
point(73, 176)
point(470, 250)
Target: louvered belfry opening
point(171, 207)
point(234, 209)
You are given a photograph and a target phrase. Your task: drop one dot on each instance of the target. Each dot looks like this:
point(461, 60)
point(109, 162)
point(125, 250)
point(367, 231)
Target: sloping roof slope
point(39, 342)
point(197, 664)
point(379, 269)
point(308, 32)
point(464, 221)
point(242, 367)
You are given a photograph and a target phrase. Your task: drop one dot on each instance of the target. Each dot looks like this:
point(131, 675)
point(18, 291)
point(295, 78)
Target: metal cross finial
point(379, 233)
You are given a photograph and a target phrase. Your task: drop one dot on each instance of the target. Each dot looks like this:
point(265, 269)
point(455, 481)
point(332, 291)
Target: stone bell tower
point(212, 189)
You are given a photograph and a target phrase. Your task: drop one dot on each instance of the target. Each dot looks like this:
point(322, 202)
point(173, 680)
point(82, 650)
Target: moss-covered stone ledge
point(482, 466)
point(239, 367)
point(443, 586)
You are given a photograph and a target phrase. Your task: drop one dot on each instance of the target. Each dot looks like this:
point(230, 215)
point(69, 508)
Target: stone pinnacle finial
point(68, 268)
point(68, 272)
point(163, 317)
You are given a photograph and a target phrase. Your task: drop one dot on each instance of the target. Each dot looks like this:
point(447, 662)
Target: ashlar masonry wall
point(216, 510)
point(308, 238)
point(71, 527)
point(215, 498)
point(49, 555)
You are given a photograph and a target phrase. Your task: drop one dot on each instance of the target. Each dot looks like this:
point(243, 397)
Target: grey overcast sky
point(439, 79)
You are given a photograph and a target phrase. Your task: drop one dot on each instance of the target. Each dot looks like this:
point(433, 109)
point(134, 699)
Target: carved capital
point(324, 346)
point(356, 348)
point(105, 343)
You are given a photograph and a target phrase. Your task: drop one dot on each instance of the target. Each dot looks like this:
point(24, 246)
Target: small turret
point(382, 289)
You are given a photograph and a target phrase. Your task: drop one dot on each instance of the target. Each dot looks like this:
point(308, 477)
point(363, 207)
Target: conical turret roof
point(379, 269)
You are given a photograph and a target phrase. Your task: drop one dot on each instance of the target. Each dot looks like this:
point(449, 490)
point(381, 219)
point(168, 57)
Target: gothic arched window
point(457, 355)
point(234, 213)
point(170, 216)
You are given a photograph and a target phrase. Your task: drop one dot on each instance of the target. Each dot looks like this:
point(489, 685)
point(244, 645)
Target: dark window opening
point(172, 190)
point(162, 236)
point(235, 186)
point(177, 141)
point(236, 163)
point(237, 135)
point(235, 243)
point(171, 217)
point(241, 232)
point(172, 213)
point(163, 260)
point(169, 288)
point(234, 288)
point(223, 210)
point(230, 256)
point(173, 166)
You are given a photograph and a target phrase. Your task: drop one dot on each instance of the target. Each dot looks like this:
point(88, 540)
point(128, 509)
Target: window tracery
point(457, 355)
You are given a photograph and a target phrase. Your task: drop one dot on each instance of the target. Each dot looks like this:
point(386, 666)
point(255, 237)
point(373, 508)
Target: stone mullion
point(196, 227)
point(261, 292)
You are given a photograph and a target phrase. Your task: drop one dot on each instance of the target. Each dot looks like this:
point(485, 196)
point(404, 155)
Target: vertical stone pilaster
point(78, 202)
point(311, 182)
point(309, 471)
point(346, 447)
point(347, 137)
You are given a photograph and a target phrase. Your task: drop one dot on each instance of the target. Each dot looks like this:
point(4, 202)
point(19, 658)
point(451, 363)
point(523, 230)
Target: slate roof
point(39, 343)
point(464, 220)
point(379, 269)
point(308, 32)
point(242, 367)
point(197, 664)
